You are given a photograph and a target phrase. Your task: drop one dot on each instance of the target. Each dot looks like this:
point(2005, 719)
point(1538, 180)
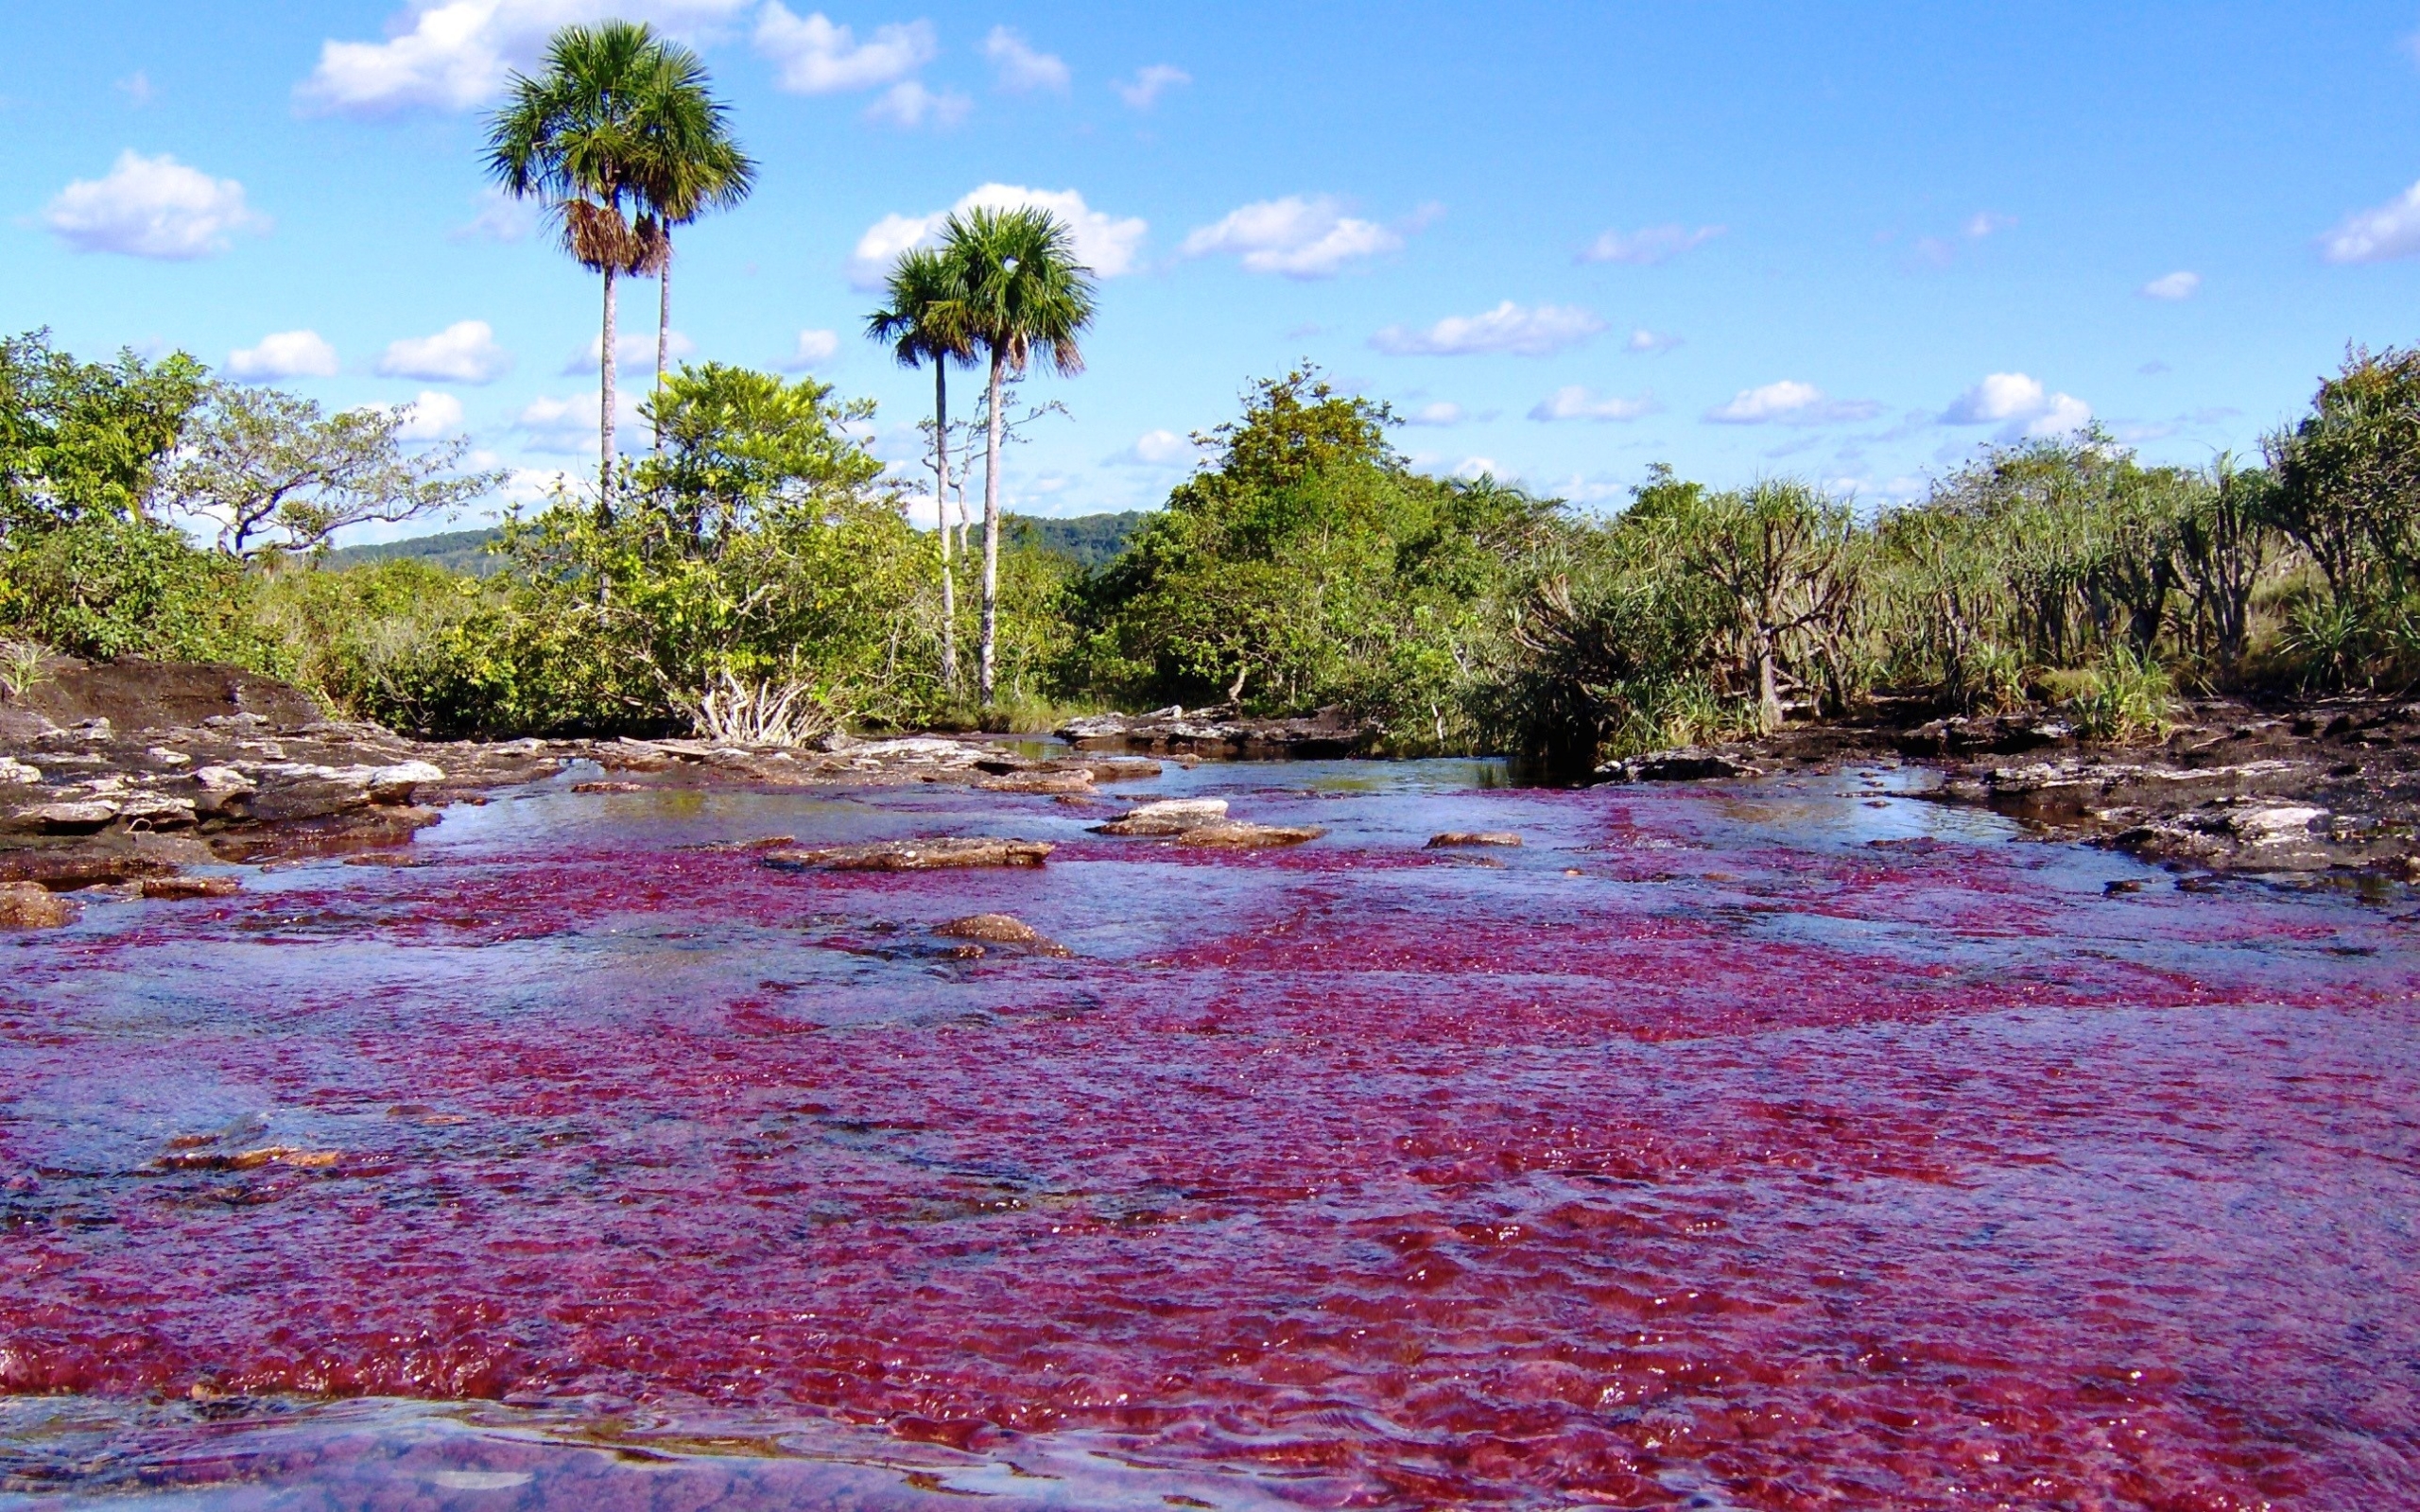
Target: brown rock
point(179, 887)
point(609, 787)
point(915, 855)
point(1074, 782)
point(1172, 815)
point(30, 905)
point(999, 928)
point(1461, 837)
point(1236, 835)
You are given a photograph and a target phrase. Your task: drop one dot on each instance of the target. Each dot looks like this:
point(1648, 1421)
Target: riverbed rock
point(15, 773)
point(1237, 835)
point(1079, 781)
point(1168, 815)
point(914, 855)
point(1472, 837)
point(70, 817)
point(1685, 763)
point(30, 905)
point(1223, 734)
point(609, 786)
point(179, 889)
point(1001, 929)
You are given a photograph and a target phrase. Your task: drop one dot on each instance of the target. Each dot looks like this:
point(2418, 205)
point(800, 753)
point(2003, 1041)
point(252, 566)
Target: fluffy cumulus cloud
point(1297, 236)
point(1149, 82)
point(1648, 246)
point(908, 103)
point(2177, 285)
point(1526, 332)
point(1791, 403)
point(451, 55)
point(633, 351)
point(1161, 449)
point(1442, 412)
point(1651, 343)
point(283, 355)
point(502, 217)
point(814, 350)
point(1572, 402)
point(818, 55)
point(568, 426)
point(151, 207)
point(1020, 66)
point(464, 352)
point(1106, 244)
point(2377, 235)
point(2020, 406)
point(432, 416)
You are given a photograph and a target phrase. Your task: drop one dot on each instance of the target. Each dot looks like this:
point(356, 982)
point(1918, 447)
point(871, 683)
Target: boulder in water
point(1463, 837)
point(914, 855)
point(30, 905)
point(1173, 815)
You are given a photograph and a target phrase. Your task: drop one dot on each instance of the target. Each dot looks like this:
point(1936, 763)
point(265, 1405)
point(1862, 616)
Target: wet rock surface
point(1453, 839)
point(2301, 788)
point(1223, 735)
point(938, 853)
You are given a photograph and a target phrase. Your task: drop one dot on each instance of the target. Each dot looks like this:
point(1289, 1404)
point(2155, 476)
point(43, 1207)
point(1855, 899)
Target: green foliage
point(1307, 567)
point(105, 586)
point(273, 474)
point(2128, 697)
point(82, 441)
point(2348, 477)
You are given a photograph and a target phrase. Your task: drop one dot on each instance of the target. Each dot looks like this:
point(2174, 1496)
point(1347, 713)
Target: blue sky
point(1852, 242)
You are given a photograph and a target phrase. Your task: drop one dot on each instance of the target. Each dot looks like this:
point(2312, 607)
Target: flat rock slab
point(1038, 782)
point(1172, 815)
point(914, 855)
point(31, 905)
point(1463, 837)
point(1236, 835)
point(1001, 929)
point(180, 887)
point(1687, 763)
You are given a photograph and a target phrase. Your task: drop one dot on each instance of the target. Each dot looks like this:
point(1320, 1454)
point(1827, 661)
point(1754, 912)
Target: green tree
point(1028, 300)
point(924, 318)
point(2348, 478)
point(273, 474)
point(584, 136)
point(689, 164)
point(83, 440)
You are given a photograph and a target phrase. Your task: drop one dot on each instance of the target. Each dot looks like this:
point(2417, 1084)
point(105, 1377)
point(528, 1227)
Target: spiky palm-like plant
point(924, 319)
point(690, 164)
point(580, 136)
point(1027, 299)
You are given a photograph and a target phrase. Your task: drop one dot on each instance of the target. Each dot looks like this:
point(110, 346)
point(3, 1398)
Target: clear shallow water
point(1813, 1146)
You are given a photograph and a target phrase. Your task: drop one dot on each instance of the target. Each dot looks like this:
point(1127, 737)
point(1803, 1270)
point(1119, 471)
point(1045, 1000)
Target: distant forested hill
point(1090, 538)
point(461, 551)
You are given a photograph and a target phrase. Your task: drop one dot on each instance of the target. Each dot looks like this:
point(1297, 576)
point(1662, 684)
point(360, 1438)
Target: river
point(1764, 1146)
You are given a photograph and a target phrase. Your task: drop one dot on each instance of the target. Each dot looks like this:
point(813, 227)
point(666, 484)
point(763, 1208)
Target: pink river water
point(1782, 1145)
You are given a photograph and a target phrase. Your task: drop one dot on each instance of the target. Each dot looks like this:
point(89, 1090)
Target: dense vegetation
point(759, 575)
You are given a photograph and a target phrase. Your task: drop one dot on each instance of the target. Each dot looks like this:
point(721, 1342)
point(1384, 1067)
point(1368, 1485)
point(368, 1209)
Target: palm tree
point(925, 321)
point(1026, 298)
point(578, 136)
point(691, 167)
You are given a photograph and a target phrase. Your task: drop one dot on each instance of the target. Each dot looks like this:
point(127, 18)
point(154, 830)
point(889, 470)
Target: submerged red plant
point(1772, 1171)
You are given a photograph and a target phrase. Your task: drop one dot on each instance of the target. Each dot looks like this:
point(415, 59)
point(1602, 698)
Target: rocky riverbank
point(2317, 787)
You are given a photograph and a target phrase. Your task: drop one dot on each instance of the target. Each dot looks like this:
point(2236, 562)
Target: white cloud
point(137, 89)
point(502, 217)
point(1144, 89)
point(1297, 236)
point(283, 355)
point(1985, 222)
point(1572, 402)
point(464, 352)
point(151, 207)
point(1649, 246)
point(1162, 449)
point(1650, 342)
point(1791, 403)
point(1476, 467)
point(1019, 66)
point(451, 55)
point(2390, 230)
point(633, 351)
point(2177, 285)
point(910, 104)
point(1509, 327)
point(1444, 412)
point(1104, 243)
point(819, 57)
point(815, 348)
point(432, 416)
point(2019, 405)
point(569, 425)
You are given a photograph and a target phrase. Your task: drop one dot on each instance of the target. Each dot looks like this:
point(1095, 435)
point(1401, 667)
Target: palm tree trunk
point(663, 332)
point(987, 679)
point(605, 407)
point(941, 523)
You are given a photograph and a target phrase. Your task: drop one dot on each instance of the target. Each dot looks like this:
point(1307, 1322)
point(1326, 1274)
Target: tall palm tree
point(1027, 300)
point(577, 136)
point(924, 319)
point(691, 166)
